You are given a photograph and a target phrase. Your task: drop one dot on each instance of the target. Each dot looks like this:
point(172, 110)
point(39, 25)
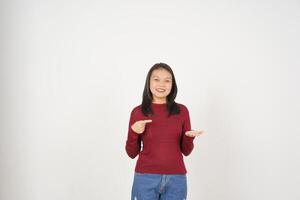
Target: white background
point(71, 72)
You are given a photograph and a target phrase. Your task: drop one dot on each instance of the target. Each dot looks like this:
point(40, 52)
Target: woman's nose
point(162, 85)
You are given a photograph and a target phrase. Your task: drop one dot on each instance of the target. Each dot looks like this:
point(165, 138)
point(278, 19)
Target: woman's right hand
point(139, 126)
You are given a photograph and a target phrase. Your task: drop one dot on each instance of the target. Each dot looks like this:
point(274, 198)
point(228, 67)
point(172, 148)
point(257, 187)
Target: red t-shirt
point(161, 145)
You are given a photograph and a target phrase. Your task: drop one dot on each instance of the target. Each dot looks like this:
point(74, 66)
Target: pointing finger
point(147, 121)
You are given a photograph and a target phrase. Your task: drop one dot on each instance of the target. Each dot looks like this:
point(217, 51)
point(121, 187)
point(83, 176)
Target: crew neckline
point(159, 104)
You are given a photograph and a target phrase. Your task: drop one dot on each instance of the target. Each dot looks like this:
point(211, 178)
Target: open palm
point(194, 133)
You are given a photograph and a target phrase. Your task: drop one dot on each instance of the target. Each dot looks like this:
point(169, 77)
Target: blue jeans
point(159, 186)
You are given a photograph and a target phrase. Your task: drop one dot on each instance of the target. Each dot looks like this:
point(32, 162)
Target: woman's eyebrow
point(165, 78)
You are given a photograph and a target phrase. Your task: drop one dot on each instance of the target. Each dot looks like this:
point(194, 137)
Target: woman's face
point(160, 85)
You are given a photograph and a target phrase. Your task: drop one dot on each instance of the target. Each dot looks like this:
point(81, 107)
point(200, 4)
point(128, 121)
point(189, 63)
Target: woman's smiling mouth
point(160, 90)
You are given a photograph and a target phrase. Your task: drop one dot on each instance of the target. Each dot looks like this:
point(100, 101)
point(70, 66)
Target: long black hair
point(172, 106)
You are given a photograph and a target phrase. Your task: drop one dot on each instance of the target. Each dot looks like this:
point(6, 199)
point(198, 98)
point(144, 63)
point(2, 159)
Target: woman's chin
point(160, 96)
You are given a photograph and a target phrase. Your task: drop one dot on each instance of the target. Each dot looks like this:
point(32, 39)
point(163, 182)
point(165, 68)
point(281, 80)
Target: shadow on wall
point(215, 169)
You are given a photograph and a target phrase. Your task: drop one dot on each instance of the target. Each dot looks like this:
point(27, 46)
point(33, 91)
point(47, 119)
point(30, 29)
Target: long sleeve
point(133, 143)
point(187, 144)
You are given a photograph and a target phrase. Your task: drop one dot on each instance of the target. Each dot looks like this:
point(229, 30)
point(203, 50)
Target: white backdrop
point(72, 71)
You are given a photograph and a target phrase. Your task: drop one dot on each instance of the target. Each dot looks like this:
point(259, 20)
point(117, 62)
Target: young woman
point(160, 132)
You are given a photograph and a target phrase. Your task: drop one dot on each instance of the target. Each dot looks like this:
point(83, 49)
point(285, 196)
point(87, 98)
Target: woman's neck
point(159, 101)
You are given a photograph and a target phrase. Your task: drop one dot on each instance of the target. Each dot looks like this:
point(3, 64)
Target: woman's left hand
point(194, 133)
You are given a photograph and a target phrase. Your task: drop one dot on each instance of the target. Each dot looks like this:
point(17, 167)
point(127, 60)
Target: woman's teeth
point(160, 90)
